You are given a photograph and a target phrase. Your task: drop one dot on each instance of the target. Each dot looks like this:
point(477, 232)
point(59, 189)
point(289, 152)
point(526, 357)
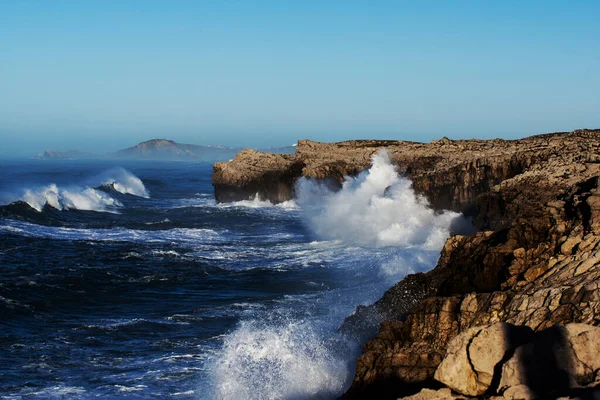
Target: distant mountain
point(65, 155)
point(162, 149)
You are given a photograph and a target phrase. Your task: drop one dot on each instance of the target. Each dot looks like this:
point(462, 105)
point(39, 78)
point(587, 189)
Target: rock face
point(510, 361)
point(473, 356)
point(556, 360)
point(451, 173)
point(534, 262)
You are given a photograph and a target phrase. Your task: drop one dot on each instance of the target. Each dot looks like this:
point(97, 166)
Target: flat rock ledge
point(527, 282)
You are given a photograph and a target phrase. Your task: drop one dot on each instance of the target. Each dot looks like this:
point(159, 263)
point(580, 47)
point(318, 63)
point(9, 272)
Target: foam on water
point(124, 182)
point(290, 360)
point(385, 231)
point(376, 208)
point(256, 202)
point(179, 235)
point(86, 198)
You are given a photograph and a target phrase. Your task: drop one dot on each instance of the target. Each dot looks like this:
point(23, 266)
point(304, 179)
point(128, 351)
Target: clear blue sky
point(107, 74)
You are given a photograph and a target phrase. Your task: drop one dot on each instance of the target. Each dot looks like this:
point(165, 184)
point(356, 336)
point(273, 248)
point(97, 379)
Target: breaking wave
point(86, 198)
point(256, 202)
point(124, 182)
point(375, 216)
point(290, 360)
point(74, 198)
point(376, 208)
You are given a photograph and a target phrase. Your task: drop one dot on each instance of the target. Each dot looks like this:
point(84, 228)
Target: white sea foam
point(278, 362)
point(188, 236)
point(256, 202)
point(124, 182)
point(376, 208)
point(384, 231)
point(87, 198)
point(74, 198)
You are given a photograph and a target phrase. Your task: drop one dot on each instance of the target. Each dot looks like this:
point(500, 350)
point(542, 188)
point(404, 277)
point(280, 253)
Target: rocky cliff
point(534, 262)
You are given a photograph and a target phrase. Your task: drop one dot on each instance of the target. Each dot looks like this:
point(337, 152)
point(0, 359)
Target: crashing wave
point(376, 208)
point(124, 182)
point(76, 198)
point(86, 198)
point(374, 213)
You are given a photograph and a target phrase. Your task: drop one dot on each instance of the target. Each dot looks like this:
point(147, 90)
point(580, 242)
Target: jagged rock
point(429, 394)
point(555, 361)
point(252, 173)
point(474, 355)
point(535, 261)
point(451, 173)
point(519, 392)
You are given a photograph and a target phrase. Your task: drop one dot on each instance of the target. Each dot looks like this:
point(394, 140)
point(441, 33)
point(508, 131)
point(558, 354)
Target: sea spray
point(376, 208)
point(73, 198)
point(384, 231)
point(123, 182)
point(286, 360)
point(86, 198)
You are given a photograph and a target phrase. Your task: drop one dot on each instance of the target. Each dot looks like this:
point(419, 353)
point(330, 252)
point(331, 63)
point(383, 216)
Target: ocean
point(127, 280)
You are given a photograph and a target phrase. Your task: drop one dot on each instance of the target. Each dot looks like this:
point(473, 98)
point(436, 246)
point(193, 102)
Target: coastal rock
point(428, 394)
point(555, 361)
point(473, 356)
point(252, 173)
point(534, 262)
point(505, 361)
point(450, 173)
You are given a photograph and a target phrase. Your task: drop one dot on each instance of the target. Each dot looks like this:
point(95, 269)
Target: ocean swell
point(91, 197)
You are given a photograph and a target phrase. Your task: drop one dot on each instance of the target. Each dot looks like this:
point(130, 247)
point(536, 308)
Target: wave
point(256, 202)
point(190, 236)
point(288, 360)
point(124, 182)
point(85, 198)
point(75, 198)
point(384, 231)
point(376, 208)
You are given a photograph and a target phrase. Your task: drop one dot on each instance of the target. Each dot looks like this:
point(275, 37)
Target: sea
point(126, 279)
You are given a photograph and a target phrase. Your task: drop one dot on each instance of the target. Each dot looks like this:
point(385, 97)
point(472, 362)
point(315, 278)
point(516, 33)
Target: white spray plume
point(74, 198)
point(290, 361)
point(376, 213)
point(376, 208)
point(86, 198)
point(124, 182)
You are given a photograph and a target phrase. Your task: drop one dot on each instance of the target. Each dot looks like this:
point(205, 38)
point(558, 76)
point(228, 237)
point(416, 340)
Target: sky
point(100, 76)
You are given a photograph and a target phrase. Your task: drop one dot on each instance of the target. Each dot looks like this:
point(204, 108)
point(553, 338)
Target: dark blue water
point(164, 293)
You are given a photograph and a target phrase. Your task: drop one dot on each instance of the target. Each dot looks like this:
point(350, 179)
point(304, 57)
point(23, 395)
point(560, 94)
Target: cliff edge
point(534, 262)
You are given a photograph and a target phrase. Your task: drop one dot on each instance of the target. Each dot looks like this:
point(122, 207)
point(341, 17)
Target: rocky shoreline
point(533, 266)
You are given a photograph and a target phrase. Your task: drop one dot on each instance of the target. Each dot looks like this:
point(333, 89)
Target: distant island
point(159, 149)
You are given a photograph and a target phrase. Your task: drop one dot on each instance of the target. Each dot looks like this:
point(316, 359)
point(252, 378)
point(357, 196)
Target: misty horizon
point(101, 77)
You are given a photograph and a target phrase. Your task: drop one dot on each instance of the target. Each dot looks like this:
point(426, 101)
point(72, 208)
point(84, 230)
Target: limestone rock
point(535, 261)
point(474, 355)
point(429, 394)
point(451, 173)
point(557, 360)
point(519, 392)
point(517, 269)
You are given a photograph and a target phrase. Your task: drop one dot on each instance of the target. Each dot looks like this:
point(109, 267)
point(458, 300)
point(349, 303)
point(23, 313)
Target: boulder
point(555, 362)
point(475, 355)
point(429, 394)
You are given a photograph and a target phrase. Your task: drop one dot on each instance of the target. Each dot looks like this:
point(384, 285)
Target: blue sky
point(99, 76)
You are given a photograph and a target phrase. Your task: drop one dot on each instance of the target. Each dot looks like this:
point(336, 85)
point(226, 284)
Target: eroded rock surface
point(451, 173)
point(535, 261)
point(536, 264)
point(473, 357)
